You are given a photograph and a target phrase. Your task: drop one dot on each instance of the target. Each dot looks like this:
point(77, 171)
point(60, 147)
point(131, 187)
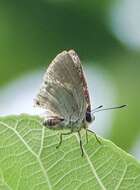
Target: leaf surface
point(29, 160)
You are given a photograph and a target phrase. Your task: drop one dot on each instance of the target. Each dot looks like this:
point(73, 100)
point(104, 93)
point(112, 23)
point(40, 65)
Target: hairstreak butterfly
point(64, 94)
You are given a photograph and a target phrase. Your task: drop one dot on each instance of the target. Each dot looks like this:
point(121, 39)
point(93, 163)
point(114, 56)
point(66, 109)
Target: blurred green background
point(105, 34)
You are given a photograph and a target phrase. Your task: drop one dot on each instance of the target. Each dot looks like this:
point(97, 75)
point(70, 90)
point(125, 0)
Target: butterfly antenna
point(111, 108)
point(97, 108)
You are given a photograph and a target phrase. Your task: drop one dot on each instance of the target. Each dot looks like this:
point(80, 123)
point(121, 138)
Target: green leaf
point(29, 160)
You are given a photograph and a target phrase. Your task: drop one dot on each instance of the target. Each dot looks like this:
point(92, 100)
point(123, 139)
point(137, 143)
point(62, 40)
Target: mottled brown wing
point(78, 65)
point(61, 92)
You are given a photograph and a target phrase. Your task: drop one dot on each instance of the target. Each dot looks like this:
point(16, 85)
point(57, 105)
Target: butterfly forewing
point(61, 92)
point(79, 68)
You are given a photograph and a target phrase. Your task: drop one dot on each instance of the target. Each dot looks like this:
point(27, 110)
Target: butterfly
point(64, 95)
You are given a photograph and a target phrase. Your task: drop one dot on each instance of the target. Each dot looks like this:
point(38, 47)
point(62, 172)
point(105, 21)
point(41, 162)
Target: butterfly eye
point(88, 117)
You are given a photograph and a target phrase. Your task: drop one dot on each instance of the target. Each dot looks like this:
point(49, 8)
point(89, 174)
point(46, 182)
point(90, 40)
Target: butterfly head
point(89, 117)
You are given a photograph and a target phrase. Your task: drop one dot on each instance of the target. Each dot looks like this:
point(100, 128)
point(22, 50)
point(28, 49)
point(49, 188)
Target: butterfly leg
point(87, 136)
point(61, 138)
point(95, 136)
point(81, 146)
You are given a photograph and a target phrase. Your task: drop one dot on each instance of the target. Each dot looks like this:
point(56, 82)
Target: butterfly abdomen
point(52, 121)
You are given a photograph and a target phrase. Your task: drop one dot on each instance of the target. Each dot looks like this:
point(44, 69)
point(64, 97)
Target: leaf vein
point(92, 168)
